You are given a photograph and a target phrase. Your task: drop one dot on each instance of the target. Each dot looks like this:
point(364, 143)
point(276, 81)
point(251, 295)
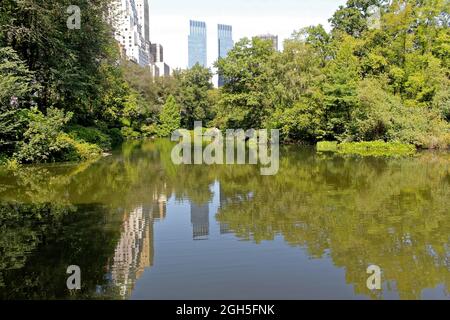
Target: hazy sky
point(170, 21)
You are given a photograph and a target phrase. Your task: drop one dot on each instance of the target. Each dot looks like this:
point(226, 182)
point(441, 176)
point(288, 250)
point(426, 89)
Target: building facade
point(131, 23)
point(225, 36)
point(143, 10)
point(128, 31)
point(163, 69)
point(157, 52)
point(197, 44)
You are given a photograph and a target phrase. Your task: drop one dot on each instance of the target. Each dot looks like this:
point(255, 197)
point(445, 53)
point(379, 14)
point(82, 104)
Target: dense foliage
point(170, 118)
point(363, 81)
point(194, 95)
point(372, 77)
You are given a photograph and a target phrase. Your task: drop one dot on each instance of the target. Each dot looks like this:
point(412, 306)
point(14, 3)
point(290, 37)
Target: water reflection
point(200, 221)
point(39, 241)
point(134, 252)
point(132, 222)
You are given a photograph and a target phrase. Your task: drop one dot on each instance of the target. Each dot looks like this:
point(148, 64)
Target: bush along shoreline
point(48, 139)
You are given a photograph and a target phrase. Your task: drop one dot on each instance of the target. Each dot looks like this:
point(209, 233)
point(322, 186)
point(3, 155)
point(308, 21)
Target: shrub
point(382, 116)
point(87, 151)
point(41, 139)
point(420, 126)
point(441, 101)
point(77, 150)
point(46, 142)
point(90, 135)
point(129, 133)
point(373, 117)
point(149, 130)
point(10, 164)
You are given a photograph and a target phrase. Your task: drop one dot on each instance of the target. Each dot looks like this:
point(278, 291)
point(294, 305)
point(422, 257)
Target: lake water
point(140, 227)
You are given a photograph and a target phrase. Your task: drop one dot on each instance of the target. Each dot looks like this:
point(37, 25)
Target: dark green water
point(140, 227)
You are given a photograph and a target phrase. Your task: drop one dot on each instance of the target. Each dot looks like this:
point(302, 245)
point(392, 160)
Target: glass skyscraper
point(225, 35)
point(197, 44)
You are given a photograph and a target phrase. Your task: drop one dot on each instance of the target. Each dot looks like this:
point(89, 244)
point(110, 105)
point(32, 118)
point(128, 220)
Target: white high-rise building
point(143, 10)
point(128, 30)
point(131, 23)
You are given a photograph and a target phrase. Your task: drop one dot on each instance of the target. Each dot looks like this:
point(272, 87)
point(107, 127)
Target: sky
point(169, 21)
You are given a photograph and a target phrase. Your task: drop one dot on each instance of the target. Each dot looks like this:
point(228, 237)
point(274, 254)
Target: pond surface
point(140, 227)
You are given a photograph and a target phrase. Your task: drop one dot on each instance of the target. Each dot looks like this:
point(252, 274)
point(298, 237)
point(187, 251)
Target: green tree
point(16, 86)
point(142, 84)
point(342, 76)
point(194, 87)
point(244, 101)
point(318, 38)
point(353, 18)
point(67, 63)
point(43, 140)
point(170, 117)
point(296, 90)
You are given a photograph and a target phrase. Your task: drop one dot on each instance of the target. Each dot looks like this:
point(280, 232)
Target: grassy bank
point(372, 148)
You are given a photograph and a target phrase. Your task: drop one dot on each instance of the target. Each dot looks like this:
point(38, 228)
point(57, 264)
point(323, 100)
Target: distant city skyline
point(169, 21)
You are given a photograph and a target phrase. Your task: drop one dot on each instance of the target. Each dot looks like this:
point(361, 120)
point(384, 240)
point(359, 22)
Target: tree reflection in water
point(354, 211)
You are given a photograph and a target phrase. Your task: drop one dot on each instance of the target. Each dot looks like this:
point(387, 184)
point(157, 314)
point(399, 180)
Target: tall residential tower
point(225, 36)
point(143, 10)
point(197, 44)
point(130, 20)
point(128, 31)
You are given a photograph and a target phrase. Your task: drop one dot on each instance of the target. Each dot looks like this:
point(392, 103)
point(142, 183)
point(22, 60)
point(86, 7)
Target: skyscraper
point(157, 52)
point(128, 30)
point(272, 38)
point(130, 20)
point(143, 10)
point(225, 36)
point(197, 44)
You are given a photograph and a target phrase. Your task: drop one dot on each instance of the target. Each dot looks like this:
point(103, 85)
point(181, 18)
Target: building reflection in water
point(134, 251)
point(200, 221)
